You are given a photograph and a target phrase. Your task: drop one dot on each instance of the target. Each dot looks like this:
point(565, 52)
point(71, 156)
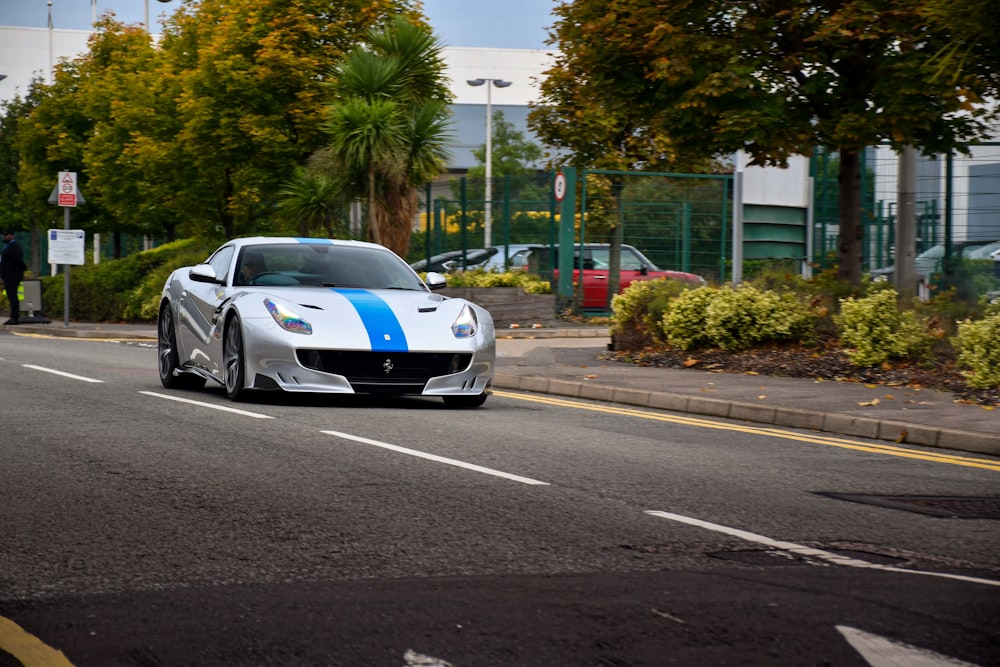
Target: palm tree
point(311, 200)
point(388, 125)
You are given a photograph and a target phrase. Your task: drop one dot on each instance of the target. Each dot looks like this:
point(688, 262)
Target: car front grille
point(390, 372)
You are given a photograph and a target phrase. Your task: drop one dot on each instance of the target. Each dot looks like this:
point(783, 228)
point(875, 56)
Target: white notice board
point(66, 246)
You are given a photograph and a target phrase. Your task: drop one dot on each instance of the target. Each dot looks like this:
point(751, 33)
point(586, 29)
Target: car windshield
point(313, 264)
point(982, 252)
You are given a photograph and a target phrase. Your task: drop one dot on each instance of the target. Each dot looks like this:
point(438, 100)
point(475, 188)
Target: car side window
point(221, 261)
point(629, 260)
point(600, 259)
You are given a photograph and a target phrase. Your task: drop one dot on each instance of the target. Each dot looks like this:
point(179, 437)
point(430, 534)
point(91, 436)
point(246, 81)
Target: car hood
point(366, 319)
point(682, 276)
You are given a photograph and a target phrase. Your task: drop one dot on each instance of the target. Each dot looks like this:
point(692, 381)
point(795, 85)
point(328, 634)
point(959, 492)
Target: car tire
point(465, 401)
point(233, 356)
point(167, 356)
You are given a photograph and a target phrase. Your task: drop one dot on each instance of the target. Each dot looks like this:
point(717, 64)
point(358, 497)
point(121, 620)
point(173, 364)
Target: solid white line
point(879, 651)
point(224, 408)
point(65, 375)
point(435, 457)
point(801, 550)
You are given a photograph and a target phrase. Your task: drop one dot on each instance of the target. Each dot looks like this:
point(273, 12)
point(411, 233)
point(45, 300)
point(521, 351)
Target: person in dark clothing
point(12, 268)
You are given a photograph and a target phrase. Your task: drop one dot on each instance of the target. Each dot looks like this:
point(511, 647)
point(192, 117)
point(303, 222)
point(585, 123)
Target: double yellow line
point(831, 441)
point(28, 649)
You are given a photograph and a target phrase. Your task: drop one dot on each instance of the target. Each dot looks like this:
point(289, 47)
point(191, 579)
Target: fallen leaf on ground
point(874, 401)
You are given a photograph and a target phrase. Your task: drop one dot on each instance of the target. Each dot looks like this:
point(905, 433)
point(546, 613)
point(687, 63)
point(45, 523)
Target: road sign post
point(67, 195)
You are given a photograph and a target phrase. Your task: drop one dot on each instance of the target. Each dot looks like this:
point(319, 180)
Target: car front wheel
point(234, 359)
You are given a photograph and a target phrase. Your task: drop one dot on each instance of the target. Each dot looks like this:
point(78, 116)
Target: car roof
point(248, 241)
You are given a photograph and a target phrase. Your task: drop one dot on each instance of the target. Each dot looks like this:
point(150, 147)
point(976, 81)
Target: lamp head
point(475, 82)
point(500, 83)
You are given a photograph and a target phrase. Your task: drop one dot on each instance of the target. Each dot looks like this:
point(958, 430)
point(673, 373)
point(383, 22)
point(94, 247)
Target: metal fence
point(522, 211)
point(957, 209)
point(678, 221)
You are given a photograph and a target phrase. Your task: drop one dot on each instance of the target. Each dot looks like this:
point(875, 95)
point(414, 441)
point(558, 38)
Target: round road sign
point(560, 186)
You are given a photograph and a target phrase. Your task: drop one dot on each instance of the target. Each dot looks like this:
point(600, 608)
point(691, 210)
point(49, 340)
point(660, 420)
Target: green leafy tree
point(130, 156)
point(711, 78)
point(50, 139)
point(251, 101)
point(13, 113)
point(388, 125)
point(514, 156)
point(972, 39)
point(598, 103)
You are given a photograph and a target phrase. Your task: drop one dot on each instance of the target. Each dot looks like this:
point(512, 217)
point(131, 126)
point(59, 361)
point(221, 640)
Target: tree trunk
point(850, 248)
point(401, 206)
point(373, 231)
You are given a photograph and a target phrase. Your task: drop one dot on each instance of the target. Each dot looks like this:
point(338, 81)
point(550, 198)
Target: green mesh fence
point(957, 207)
point(679, 221)
point(522, 212)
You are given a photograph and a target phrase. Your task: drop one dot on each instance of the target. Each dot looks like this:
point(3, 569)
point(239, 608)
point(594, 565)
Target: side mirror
point(203, 273)
point(435, 280)
point(644, 271)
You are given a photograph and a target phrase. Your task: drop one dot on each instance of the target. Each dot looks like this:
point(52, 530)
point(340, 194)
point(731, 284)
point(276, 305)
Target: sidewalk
point(565, 362)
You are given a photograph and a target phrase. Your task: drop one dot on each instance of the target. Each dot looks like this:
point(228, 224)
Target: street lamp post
point(148, 31)
point(488, 210)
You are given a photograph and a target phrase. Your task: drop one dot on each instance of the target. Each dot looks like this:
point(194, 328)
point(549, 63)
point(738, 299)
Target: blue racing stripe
point(384, 332)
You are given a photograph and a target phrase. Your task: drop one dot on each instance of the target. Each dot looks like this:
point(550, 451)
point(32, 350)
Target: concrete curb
point(826, 422)
point(569, 332)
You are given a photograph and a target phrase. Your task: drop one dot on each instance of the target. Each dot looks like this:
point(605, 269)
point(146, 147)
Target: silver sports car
point(321, 315)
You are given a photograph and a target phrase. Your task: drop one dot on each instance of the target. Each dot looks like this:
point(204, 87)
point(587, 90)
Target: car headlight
point(466, 324)
point(287, 319)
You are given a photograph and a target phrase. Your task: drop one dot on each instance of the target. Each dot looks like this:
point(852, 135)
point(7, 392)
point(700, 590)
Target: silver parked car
point(321, 315)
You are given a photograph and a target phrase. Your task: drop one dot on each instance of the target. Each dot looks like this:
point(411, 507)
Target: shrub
point(637, 313)
point(978, 344)
point(741, 317)
point(531, 283)
point(874, 330)
point(735, 318)
point(684, 319)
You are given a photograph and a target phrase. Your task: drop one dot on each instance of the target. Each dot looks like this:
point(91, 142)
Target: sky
point(500, 24)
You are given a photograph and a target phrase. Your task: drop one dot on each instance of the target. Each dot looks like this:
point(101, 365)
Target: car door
point(633, 267)
point(594, 275)
point(199, 306)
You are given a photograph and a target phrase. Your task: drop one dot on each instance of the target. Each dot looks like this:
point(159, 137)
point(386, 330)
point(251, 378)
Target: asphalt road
point(140, 526)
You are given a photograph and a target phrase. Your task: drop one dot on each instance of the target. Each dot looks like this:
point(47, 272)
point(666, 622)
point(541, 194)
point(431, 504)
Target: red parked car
point(596, 260)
